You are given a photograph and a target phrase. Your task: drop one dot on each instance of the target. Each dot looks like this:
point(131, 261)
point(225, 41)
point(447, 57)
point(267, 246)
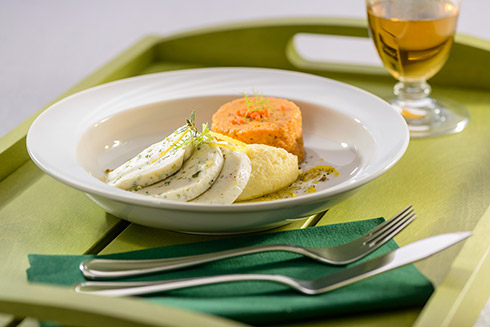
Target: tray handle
point(62, 305)
point(271, 44)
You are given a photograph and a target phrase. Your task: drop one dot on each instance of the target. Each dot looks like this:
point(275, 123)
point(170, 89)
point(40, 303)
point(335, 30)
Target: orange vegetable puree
point(262, 120)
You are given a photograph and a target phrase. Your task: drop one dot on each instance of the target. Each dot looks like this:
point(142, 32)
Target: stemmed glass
point(413, 39)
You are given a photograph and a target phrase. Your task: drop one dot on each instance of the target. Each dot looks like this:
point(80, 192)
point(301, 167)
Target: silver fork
point(334, 255)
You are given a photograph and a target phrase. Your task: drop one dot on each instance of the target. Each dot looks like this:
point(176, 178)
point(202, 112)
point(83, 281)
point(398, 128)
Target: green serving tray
point(445, 178)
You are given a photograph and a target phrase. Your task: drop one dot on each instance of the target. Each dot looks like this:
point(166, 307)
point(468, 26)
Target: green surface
point(445, 178)
point(465, 290)
point(40, 215)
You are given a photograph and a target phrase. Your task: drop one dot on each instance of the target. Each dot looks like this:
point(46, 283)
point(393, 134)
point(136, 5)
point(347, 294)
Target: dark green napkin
point(263, 302)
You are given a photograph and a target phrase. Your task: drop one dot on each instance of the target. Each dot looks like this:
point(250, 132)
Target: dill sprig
point(197, 138)
point(259, 103)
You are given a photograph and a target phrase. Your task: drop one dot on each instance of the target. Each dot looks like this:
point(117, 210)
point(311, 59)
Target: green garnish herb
point(197, 138)
point(257, 105)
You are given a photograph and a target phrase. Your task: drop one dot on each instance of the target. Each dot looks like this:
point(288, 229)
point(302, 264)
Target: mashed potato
point(272, 169)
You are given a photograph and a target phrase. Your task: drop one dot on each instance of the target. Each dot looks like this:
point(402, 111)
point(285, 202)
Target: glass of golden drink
point(413, 39)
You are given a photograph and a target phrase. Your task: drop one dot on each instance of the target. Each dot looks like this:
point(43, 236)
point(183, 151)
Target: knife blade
point(402, 256)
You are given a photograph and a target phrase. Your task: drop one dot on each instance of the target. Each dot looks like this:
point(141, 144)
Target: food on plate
point(306, 182)
point(262, 120)
point(153, 164)
point(195, 176)
point(231, 181)
point(209, 167)
point(216, 171)
point(272, 169)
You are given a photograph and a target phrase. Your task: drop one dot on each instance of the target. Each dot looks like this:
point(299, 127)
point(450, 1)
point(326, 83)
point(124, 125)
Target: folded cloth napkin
point(258, 302)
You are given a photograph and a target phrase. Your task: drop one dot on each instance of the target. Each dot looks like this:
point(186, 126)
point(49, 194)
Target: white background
point(48, 46)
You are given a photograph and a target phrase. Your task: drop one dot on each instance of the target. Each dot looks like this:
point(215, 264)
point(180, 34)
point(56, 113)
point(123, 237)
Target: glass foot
point(429, 117)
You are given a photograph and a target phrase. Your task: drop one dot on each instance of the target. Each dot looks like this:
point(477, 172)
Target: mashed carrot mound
point(262, 120)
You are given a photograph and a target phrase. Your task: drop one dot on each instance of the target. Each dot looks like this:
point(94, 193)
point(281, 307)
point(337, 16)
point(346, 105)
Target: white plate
point(79, 137)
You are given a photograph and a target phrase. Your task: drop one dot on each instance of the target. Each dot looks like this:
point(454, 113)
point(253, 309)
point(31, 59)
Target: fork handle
point(111, 268)
point(138, 288)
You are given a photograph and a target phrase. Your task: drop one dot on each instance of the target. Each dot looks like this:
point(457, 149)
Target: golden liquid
point(414, 49)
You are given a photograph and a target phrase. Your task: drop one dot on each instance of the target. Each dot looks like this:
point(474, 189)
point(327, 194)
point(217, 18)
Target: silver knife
point(400, 257)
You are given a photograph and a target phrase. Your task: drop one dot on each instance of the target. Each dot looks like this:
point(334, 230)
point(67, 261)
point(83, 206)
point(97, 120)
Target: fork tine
point(391, 220)
point(382, 238)
point(390, 230)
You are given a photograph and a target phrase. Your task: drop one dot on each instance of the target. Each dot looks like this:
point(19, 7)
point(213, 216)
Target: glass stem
point(407, 91)
point(413, 102)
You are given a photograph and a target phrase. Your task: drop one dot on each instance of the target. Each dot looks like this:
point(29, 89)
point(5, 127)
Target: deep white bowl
point(79, 137)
